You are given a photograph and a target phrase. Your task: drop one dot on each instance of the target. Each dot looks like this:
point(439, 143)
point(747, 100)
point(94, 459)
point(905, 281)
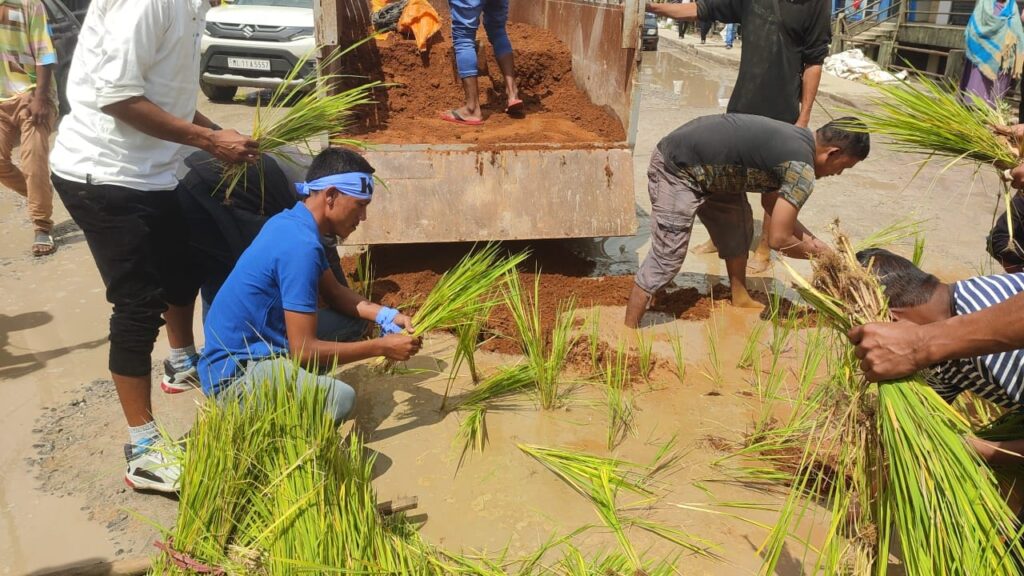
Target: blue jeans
point(730, 34)
point(341, 398)
point(466, 21)
point(330, 325)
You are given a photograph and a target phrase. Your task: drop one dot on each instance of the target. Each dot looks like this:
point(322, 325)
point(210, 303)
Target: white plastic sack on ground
point(854, 65)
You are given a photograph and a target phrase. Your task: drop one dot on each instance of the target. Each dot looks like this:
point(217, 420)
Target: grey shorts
point(675, 202)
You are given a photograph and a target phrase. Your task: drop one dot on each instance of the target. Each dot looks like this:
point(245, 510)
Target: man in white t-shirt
point(132, 88)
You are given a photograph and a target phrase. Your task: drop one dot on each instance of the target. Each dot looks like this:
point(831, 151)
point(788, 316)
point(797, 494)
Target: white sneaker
point(177, 380)
point(155, 469)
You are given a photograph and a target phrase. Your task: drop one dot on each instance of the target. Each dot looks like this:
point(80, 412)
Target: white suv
point(254, 43)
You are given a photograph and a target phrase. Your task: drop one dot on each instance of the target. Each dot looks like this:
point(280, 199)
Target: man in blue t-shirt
point(264, 319)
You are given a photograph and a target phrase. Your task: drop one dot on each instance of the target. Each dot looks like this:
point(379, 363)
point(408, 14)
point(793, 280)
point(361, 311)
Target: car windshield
point(649, 20)
point(285, 3)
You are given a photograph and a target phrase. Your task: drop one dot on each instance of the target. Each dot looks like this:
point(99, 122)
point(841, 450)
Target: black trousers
point(140, 244)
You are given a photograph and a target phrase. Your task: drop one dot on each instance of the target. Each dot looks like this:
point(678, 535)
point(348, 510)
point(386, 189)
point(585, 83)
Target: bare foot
point(759, 263)
point(705, 248)
point(745, 301)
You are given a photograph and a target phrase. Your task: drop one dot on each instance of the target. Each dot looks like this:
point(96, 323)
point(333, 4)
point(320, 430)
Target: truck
point(460, 192)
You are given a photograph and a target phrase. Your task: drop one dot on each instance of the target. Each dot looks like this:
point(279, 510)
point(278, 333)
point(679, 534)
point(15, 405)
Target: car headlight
point(302, 33)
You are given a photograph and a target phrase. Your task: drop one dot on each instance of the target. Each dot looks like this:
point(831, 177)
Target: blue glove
point(386, 321)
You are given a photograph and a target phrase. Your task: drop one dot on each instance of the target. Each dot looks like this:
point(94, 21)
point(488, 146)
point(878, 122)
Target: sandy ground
point(62, 500)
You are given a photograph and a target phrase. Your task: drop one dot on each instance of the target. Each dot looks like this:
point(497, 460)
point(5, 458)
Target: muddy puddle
point(663, 77)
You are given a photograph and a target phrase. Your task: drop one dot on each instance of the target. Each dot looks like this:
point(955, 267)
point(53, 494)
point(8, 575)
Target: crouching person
point(703, 170)
point(919, 297)
point(263, 322)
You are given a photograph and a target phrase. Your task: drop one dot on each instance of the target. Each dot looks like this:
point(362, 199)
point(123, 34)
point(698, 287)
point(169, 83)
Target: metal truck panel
point(448, 193)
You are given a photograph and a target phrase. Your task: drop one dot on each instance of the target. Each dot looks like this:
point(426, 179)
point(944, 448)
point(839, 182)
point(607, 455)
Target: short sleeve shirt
point(780, 38)
point(279, 271)
point(25, 42)
point(736, 153)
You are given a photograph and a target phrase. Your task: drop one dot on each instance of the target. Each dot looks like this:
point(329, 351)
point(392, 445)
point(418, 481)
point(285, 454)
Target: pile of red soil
point(557, 110)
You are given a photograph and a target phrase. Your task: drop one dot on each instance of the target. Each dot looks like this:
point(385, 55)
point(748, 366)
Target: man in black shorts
point(704, 168)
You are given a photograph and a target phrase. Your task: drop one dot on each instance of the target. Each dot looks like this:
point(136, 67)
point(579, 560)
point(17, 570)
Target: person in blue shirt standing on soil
point(263, 322)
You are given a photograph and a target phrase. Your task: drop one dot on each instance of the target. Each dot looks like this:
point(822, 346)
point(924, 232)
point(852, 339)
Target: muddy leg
point(762, 254)
point(737, 269)
point(639, 301)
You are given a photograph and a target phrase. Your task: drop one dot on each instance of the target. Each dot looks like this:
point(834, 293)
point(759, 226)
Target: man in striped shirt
point(919, 297)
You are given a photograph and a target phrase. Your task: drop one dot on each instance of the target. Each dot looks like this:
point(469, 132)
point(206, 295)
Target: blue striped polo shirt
point(998, 378)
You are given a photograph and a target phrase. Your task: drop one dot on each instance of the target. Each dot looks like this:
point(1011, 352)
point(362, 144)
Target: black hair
point(905, 285)
point(998, 243)
point(333, 161)
point(848, 134)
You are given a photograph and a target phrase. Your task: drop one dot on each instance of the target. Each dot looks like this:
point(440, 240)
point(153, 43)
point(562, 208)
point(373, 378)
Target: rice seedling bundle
point(459, 296)
point(930, 117)
point(300, 110)
point(546, 352)
point(269, 487)
point(902, 467)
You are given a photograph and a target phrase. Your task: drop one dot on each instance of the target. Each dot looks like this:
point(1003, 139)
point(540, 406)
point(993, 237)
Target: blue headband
point(356, 184)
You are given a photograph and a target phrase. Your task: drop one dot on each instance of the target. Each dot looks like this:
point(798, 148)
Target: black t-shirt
point(780, 37)
point(735, 153)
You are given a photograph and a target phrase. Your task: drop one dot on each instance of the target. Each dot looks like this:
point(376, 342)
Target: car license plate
point(249, 64)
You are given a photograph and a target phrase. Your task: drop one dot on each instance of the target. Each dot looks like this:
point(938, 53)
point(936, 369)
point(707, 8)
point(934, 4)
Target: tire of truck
point(218, 93)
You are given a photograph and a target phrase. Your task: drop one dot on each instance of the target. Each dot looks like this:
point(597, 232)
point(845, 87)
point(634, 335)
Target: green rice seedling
point(895, 233)
point(594, 338)
point(900, 465)
point(929, 117)
point(602, 480)
point(312, 111)
point(752, 347)
point(364, 275)
point(713, 370)
point(918, 250)
point(269, 486)
point(620, 406)
point(977, 410)
point(459, 296)
point(644, 348)
point(491, 394)
point(545, 352)
point(677, 354)
point(467, 338)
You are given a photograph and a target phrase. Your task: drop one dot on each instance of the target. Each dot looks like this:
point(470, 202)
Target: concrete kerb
point(841, 92)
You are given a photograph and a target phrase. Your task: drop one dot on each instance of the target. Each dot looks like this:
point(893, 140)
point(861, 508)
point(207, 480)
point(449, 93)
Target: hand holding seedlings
point(400, 347)
point(889, 350)
point(232, 147)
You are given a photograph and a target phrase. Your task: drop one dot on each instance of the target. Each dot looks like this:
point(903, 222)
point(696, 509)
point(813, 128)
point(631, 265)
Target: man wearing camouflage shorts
point(704, 168)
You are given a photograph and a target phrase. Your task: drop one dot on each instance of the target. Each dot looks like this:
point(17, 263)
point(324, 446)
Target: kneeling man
point(263, 321)
point(704, 169)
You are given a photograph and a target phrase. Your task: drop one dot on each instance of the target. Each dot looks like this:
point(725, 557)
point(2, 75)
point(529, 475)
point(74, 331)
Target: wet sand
point(61, 495)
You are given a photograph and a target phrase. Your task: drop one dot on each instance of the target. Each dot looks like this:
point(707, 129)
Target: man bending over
point(919, 297)
point(704, 168)
point(264, 318)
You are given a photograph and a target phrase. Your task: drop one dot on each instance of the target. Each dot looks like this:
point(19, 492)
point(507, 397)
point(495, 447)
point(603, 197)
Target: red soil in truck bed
point(557, 110)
